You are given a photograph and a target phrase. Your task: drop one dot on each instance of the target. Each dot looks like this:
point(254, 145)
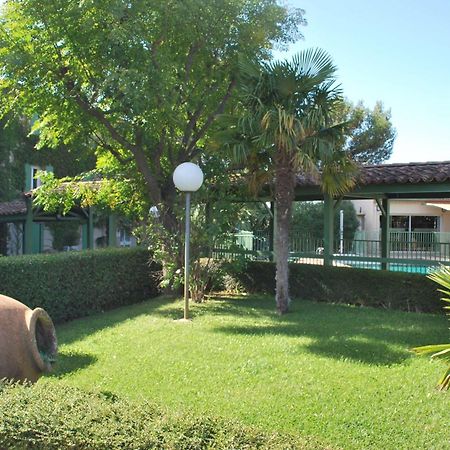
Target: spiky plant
point(440, 351)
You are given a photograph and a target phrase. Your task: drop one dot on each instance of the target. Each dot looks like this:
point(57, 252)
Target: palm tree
point(440, 351)
point(285, 127)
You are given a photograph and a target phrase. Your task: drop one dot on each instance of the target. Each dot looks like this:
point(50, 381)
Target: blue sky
point(396, 51)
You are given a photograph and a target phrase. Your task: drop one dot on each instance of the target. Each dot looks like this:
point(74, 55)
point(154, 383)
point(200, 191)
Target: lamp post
point(188, 178)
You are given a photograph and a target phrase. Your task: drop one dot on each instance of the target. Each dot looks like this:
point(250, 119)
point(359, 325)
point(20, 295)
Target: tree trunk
point(284, 196)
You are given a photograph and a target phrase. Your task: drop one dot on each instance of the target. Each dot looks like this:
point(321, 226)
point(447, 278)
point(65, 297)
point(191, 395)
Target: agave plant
point(440, 351)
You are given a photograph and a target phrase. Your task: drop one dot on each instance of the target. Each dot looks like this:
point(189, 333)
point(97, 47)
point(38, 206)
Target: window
point(35, 182)
point(417, 223)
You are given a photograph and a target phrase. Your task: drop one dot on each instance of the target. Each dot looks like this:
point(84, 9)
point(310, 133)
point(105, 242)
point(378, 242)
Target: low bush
point(76, 284)
point(394, 290)
point(54, 416)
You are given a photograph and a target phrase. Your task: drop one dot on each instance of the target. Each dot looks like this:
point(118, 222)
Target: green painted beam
point(15, 218)
point(90, 231)
point(385, 235)
point(417, 190)
point(112, 230)
point(380, 205)
point(84, 236)
point(337, 203)
point(28, 229)
point(328, 229)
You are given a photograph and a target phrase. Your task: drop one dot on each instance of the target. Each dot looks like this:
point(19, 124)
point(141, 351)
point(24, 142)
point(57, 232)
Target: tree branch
point(190, 127)
point(219, 110)
point(137, 151)
point(193, 49)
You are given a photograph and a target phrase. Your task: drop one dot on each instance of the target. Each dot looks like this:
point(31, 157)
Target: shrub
point(75, 284)
point(54, 416)
point(394, 290)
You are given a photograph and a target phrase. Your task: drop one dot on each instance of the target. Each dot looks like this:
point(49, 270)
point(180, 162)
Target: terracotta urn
point(28, 345)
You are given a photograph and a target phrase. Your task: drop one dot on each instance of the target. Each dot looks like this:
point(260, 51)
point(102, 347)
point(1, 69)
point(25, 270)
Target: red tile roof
point(412, 173)
point(12, 208)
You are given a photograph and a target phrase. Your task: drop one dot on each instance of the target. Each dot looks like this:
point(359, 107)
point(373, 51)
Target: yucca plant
point(440, 351)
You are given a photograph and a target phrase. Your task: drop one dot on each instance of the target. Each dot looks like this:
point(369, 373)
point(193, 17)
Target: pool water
point(394, 267)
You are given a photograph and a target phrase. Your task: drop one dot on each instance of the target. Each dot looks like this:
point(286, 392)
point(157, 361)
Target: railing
point(416, 252)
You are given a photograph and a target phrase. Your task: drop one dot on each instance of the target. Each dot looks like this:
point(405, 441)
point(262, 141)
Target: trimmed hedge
point(54, 416)
point(76, 284)
point(393, 290)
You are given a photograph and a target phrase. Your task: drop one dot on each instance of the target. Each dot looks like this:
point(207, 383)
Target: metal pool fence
point(414, 252)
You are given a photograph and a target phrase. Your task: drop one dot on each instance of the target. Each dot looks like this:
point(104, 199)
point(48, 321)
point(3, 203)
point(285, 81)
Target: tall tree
point(369, 136)
point(307, 219)
point(285, 127)
point(143, 80)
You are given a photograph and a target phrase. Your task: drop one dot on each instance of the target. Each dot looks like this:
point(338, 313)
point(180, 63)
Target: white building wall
point(369, 213)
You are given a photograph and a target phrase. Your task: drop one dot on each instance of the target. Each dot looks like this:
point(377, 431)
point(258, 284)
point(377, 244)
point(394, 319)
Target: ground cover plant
point(59, 417)
point(340, 375)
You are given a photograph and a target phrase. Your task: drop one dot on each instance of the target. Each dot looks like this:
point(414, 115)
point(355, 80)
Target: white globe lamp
point(187, 178)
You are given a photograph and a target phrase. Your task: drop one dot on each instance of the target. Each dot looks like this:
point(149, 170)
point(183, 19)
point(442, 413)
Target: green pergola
point(32, 217)
point(382, 183)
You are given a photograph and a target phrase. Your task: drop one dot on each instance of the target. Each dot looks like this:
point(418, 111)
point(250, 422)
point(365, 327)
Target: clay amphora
point(28, 345)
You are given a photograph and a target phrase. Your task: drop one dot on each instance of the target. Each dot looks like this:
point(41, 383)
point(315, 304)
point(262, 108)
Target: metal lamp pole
point(187, 255)
point(187, 178)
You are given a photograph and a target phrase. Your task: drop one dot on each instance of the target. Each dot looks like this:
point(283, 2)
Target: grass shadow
point(78, 329)
point(72, 361)
point(374, 353)
point(367, 335)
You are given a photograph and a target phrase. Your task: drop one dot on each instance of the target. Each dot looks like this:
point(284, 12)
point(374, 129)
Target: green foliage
point(307, 219)
point(142, 82)
point(377, 288)
point(76, 284)
point(369, 135)
point(287, 108)
point(49, 417)
point(215, 212)
point(60, 195)
point(17, 148)
point(441, 351)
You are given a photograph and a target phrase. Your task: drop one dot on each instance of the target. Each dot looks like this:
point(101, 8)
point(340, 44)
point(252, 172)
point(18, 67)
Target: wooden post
point(90, 229)
point(28, 228)
point(112, 230)
point(385, 232)
point(328, 230)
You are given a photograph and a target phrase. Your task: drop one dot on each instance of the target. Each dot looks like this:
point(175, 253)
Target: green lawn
point(339, 374)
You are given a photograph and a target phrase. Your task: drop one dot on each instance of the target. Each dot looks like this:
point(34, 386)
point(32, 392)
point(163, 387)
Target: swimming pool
point(393, 267)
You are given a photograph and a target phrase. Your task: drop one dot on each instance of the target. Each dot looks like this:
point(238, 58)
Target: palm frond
point(440, 351)
point(313, 66)
point(338, 173)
